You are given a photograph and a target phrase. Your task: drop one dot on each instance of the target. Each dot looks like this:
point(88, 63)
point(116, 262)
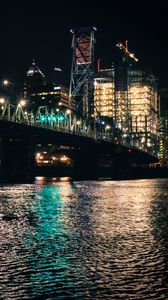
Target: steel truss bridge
point(64, 120)
point(21, 131)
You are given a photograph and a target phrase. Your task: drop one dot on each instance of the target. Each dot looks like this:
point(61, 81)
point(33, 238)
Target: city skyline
point(42, 31)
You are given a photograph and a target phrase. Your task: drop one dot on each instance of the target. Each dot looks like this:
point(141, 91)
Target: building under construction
point(104, 93)
point(163, 127)
point(133, 108)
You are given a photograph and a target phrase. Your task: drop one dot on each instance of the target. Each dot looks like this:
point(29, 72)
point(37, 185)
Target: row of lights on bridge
point(23, 102)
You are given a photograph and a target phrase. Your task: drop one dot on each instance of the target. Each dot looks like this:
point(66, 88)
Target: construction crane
point(125, 49)
point(122, 83)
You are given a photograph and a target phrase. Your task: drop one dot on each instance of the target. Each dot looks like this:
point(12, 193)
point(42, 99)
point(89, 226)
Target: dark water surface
point(84, 240)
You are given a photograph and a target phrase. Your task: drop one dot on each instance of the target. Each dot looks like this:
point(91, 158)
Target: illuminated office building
point(49, 95)
point(163, 126)
point(142, 98)
point(104, 93)
point(144, 109)
point(38, 93)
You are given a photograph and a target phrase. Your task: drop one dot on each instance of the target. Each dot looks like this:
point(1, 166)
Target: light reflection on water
point(84, 240)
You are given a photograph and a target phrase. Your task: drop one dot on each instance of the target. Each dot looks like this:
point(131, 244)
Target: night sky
point(41, 30)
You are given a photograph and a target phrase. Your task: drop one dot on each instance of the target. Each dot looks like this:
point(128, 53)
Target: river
point(84, 240)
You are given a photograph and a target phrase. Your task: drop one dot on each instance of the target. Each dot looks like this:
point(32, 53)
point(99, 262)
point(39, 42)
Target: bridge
point(88, 146)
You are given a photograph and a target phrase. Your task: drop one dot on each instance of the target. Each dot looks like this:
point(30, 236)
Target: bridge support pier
point(120, 168)
point(16, 160)
point(85, 164)
point(117, 164)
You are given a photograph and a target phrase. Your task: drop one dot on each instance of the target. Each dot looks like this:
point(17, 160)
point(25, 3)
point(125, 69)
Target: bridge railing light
point(22, 102)
point(61, 118)
point(2, 100)
point(68, 111)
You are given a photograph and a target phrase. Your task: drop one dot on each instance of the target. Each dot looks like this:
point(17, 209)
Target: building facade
point(38, 93)
point(134, 110)
point(51, 95)
point(163, 127)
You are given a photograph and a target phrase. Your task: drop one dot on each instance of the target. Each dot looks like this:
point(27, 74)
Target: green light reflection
point(49, 239)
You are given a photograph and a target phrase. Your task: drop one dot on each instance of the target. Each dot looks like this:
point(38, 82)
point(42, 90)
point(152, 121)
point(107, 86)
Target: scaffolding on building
point(143, 101)
point(144, 109)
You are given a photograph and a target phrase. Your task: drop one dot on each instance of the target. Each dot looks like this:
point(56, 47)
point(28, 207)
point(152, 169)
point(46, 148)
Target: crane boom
point(125, 49)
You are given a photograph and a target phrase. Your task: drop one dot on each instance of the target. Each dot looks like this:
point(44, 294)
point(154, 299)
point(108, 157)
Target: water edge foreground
point(84, 240)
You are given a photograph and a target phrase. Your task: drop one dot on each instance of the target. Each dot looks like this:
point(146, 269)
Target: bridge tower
point(82, 82)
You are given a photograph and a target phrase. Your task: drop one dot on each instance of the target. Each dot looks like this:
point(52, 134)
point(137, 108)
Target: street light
point(5, 107)
point(10, 94)
point(7, 82)
point(107, 133)
point(19, 112)
point(59, 117)
point(22, 102)
point(68, 112)
point(2, 100)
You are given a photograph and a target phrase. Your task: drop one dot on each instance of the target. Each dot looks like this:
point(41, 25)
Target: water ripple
point(84, 240)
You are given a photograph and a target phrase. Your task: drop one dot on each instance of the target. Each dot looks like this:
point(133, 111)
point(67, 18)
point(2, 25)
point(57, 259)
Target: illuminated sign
point(57, 87)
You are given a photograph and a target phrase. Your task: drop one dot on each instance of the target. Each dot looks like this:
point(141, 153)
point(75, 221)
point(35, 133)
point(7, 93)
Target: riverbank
point(107, 172)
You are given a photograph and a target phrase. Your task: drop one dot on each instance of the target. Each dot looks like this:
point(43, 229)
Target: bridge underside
point(17, 151)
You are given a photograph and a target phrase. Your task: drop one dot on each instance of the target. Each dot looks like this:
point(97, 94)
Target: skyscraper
point(34, 79)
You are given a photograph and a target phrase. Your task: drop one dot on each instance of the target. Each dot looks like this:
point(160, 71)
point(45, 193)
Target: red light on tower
point(98, 65)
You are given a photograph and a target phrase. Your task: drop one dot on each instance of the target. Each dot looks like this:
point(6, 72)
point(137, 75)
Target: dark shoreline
point(101, 174)
point(104, 173)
